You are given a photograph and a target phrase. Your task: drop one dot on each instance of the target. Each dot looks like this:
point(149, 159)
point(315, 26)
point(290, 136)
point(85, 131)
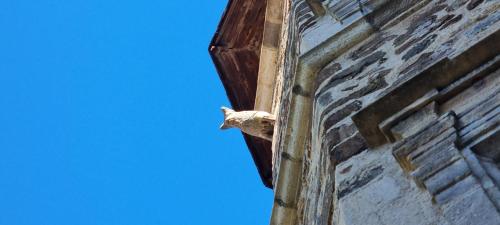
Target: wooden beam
point(269, 56)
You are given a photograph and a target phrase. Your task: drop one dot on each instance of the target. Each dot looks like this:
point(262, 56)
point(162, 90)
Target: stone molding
point(293, 133)
point(436, 76)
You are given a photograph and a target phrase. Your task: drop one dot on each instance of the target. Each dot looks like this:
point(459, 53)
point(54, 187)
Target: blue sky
point(109, 114)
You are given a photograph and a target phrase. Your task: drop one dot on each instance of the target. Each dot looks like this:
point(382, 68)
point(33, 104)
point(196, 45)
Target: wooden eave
point(235, 51)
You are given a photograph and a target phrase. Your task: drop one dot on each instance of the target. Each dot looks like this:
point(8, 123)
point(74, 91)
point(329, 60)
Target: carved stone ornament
point(255, 123)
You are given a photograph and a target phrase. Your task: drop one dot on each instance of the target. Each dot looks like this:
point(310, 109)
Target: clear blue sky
point(109, 114)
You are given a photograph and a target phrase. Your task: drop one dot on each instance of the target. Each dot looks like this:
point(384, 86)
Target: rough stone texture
point(415, 122)
point(371, 189)
point(357, 78)
point(473, 207)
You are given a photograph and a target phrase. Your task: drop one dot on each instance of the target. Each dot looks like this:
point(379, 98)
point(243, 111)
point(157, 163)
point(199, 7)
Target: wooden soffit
point(235, 50)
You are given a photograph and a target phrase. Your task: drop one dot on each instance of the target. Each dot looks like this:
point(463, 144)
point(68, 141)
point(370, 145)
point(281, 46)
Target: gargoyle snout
point(224, 126)
point(226, 112)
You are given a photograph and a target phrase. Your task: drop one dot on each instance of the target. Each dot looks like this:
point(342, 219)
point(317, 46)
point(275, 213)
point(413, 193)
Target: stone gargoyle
point(255, 123)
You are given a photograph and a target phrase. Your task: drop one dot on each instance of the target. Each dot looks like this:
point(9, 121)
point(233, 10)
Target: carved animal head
point(255, 123)
point(229, 122)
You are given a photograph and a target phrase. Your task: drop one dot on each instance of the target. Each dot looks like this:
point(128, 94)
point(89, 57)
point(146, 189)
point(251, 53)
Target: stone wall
point(404, 124)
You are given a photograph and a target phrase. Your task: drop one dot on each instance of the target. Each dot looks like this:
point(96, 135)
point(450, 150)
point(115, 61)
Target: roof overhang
point(235, 51)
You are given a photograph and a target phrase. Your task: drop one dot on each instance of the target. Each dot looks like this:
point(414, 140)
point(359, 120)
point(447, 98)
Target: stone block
point(347, 148)
point(457, 190)
point(447, 177)
point(415, 122)
point(436, 163)
point(422, 154)
point(479, 127)
point(388, 198)
point(402, 149)
point(472, 208)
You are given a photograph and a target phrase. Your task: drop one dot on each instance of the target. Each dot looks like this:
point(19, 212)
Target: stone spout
point(255, 123)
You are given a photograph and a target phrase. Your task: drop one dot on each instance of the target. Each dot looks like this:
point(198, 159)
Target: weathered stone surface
point(347, 148)
point(419, 47)
point(326, 72)
point(337, 134)
point(416, 86)
point(432, 40)
point(487, 173)
point(432, 159)
point(474, 207)
point(353, 71)
point(342, 113)
point(372, 45)
point(450, 20)
point(374, 84)
point(475, 101)
point(411, 119)
point(441, 160)
point(432, 44)
point(457, 189)
point(420, 25)
point(480, 110)
point(406, 146)
point(481, 126)
point(383, 195)
point(422, 154)
point(358, 181)
point(447, 177)
point(456, 91)
point(473, 4)
point(486, 147)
